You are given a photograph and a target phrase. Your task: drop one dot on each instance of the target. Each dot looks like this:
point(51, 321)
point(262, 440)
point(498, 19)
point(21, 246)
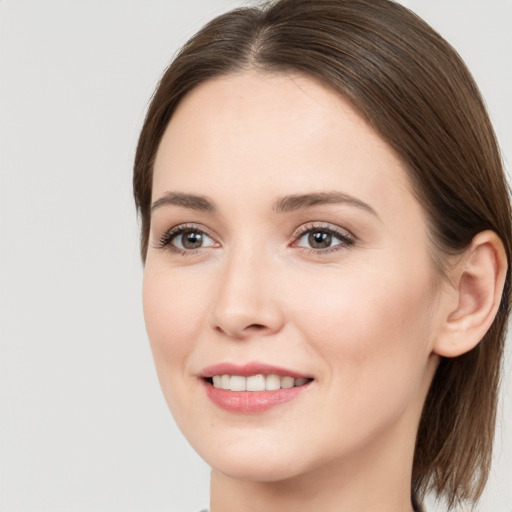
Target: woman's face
point(285, 240)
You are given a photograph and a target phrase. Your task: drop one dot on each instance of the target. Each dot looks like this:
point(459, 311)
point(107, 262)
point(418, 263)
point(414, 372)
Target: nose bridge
point(246, 302)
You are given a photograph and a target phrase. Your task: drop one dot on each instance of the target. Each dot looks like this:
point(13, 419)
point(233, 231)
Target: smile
point(253, 387)
point(256, 382)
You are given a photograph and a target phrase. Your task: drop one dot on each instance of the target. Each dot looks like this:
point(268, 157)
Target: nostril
point(248, 330)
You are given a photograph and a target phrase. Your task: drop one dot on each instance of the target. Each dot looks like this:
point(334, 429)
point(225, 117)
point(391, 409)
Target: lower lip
point(248, 402)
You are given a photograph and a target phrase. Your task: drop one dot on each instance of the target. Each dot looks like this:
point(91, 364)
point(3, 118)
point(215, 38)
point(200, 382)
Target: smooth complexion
point(359, 313)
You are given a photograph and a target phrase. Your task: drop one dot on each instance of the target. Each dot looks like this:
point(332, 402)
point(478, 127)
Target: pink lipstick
point(252, 387)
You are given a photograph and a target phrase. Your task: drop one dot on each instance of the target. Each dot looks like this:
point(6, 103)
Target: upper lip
point(248, 369)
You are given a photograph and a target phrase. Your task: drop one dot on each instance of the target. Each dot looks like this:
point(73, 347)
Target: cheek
point(372, 341)
point(172, 316)
point(172, 312)
point(370, 324)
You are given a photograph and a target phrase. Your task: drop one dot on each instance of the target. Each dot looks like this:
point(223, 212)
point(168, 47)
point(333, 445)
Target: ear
point(478, 281)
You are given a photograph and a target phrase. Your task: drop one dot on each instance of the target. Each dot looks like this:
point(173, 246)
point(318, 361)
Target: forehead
point(260, 135)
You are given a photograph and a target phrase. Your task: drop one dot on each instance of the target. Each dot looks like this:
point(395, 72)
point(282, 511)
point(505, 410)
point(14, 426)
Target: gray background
point(83, 424)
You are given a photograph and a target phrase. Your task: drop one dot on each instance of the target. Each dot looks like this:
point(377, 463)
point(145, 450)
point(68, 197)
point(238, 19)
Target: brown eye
point(186, 239)
point(319, 239)
point(190, 240)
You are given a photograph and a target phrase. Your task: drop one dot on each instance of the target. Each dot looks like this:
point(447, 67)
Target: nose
point(247, 299)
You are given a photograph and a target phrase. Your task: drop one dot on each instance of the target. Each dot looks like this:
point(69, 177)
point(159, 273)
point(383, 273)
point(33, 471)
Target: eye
point(185, 239)
point(322, 238)
point(192, 239)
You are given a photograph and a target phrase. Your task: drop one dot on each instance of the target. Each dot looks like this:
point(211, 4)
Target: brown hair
point(417, 93)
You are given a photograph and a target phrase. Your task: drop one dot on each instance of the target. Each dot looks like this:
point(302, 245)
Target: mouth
point(254, 383)
point(253, 387)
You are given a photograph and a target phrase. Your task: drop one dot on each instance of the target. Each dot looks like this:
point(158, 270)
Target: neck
point(377, 480)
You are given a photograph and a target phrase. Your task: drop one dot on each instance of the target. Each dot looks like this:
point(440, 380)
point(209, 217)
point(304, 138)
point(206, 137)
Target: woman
point(326, 231)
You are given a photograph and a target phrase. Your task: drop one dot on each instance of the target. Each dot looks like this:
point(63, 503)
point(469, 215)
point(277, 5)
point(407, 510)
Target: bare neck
point(358, 485)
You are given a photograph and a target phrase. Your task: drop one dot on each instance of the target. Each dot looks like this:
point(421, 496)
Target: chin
point(260, 461)
point(241, 467)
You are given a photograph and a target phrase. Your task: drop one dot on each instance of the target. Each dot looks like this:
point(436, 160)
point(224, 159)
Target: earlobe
point(478, 280)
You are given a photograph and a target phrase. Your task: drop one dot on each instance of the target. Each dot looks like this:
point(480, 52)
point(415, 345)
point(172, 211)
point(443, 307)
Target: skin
point(362, 318)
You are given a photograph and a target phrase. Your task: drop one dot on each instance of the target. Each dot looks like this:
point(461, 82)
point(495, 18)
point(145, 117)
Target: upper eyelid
point(326, 226)
point(191, 226)
point(299, 230)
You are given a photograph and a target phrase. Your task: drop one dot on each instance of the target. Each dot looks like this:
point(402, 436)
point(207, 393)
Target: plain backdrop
point(83, 424)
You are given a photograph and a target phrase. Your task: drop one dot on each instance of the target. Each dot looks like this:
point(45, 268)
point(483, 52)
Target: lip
point(250, 402)
point(249, 369)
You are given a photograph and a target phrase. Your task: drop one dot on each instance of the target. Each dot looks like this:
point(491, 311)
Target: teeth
point(255, 382)
point(225, 382)
point(288, 382)
point(273, 382)
point(237, 383)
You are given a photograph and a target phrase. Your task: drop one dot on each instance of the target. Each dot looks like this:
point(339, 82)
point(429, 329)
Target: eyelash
point(166, 239)
point(346, 239)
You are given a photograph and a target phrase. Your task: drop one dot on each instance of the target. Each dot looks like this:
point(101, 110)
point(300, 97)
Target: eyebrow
point(285, 204)
point(303, 201)
point(191, 201)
